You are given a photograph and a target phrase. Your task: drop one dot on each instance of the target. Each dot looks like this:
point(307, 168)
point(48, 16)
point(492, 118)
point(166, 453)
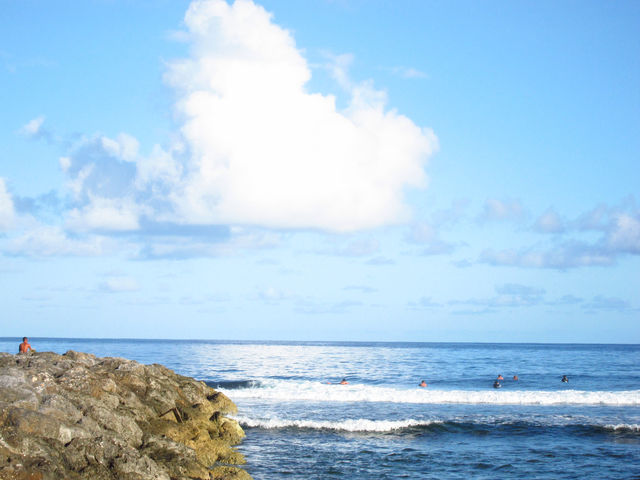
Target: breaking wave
point(362, 425)
point(279, 390)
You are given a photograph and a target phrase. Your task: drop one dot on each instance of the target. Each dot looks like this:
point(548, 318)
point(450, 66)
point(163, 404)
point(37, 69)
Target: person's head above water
point(500, 377)
point(515, 377)
point(423, 384)
point(343, 381)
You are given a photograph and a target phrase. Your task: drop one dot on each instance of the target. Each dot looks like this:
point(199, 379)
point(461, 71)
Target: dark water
point(381, 425)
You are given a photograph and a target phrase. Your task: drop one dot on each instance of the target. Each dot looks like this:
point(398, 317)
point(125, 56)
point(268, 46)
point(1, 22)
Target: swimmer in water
point(423, 384)
point(496, 384)
point(515, 377)
point(565, 379)
point(341, 382)
point(500, 377)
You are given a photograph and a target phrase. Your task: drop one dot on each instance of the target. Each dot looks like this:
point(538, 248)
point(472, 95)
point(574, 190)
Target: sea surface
point(383, 426)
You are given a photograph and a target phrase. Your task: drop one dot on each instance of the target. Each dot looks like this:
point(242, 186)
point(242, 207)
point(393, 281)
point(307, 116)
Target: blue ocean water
point(383, 426)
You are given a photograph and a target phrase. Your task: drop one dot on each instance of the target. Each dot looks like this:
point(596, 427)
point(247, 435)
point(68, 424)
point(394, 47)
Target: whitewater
point(318, 392)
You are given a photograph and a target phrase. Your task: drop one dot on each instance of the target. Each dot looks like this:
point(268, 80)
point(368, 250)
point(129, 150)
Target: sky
point(327, 170)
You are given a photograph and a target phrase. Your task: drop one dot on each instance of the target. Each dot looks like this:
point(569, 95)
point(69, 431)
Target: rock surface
point(75, 416)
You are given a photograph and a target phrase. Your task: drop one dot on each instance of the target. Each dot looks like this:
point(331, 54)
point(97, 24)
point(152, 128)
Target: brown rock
point(75, 416)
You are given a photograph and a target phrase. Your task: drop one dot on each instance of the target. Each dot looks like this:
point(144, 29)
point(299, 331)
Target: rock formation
point(75, 416)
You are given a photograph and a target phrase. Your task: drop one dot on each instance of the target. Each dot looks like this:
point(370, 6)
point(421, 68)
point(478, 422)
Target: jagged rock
point(75, 416)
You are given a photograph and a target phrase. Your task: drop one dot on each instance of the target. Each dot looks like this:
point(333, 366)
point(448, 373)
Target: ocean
point(301, 424)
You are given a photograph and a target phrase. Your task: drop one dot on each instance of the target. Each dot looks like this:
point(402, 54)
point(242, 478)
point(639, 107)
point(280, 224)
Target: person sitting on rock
point(24, 346)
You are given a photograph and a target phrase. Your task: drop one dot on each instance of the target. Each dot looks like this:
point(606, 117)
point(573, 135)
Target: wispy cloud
point(502, 210)
point(118, 285)
point(408, 72)
point(380, 261)
point(359, 247)
point(550, 222)
point(603, 303)
point(7, 212)
point(359, 288)
point(51, 241)
point(427, 233)
point(424, 302)
point(314, 307)
point(619, 229)
point(560, 257)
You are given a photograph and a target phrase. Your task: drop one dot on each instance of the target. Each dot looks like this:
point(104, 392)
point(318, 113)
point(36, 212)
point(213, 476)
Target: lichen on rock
point(76, 416)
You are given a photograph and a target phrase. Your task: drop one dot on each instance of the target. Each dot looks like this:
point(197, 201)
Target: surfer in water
point(565, 379)
point(496, 384)
point(515, 378)
point(500, 377)
point(423, 384)
point(341, 382)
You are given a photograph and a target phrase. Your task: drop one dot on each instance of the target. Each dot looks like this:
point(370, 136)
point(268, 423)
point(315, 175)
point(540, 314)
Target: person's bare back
point(24, 346)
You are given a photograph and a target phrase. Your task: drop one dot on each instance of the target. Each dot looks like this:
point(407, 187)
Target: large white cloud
point(265, 151)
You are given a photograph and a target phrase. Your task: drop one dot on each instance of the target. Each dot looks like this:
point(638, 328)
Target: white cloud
point(408, 72)
point(7, 212)
point(625, 234)
point(35, 130)
point(124, 146)
point(101, 175)
point(33, 127)
point(355, 248)
point(104, 214)
point(65, 163)
point(47, 241)
point(502, 210)
point(550, 222)
point(274, 295)
point(515, 289)
point(564, 256)
point(424, 234)
point(267, 152)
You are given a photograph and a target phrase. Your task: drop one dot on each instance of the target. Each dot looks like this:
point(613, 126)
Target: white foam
point(349, 425)
point(363, 425)
point(634, 427)
point(281, 390)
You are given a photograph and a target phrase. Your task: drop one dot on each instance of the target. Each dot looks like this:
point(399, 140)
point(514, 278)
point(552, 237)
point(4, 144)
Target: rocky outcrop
point(75, 416)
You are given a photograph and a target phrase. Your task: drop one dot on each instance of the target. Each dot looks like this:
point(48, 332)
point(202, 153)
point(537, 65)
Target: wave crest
point(317, 392)
point(363, 425)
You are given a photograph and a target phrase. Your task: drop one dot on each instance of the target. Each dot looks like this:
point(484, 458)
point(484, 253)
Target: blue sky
point(321, 170)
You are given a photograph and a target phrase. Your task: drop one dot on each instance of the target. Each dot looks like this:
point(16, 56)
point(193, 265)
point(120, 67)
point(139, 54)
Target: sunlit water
point(382, 425)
